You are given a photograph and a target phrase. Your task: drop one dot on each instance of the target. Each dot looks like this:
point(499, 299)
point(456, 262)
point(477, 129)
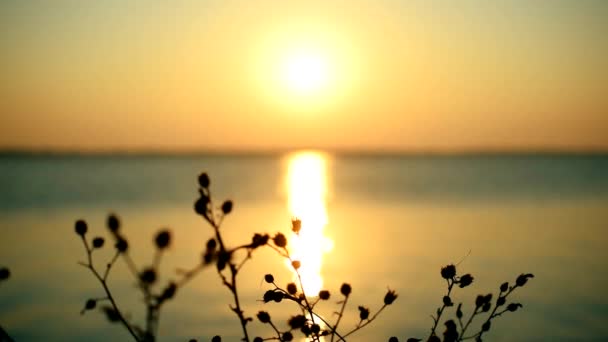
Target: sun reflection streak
point(307, 198)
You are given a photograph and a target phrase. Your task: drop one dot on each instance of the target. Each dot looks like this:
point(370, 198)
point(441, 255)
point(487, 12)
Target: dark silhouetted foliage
point(221, 254)
point(483, 304)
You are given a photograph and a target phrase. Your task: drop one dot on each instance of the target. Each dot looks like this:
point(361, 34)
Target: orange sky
point(429, 75)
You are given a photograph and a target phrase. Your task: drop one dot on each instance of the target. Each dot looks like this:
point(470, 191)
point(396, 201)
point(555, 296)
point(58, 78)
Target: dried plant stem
point(440, 312)
point(490, 317)
point(477, 310)
point(231, 285)
point(104, 284)
point(340, 314)
point(361, 326)
point(274, 327)
point(308, 307)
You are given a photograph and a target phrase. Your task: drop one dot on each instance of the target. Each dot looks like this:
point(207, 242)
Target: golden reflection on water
point(307, 189)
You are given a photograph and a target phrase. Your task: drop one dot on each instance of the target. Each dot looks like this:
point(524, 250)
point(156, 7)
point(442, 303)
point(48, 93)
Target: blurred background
point(374, 221)
point(405, 135)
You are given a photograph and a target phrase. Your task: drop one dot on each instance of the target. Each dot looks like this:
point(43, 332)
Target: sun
point(300, 72)
point(305, 72)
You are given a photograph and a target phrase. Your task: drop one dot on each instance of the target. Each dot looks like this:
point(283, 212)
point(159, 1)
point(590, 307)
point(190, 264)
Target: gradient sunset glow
point(386, 75)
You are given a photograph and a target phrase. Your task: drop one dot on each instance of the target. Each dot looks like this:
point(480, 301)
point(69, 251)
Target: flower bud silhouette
point(89, 305)
point(324, 295)
point(122, 245)
point(211, 244)
point(80, 227)
point(203, 180)
point(113, 223)
point(296, 225)
point(169, 292)
point(479, 301)
point(292, 289)
point(296, 264)
point(504, 287)
point(98, 242)
point(148, 276)
point(287, 336)
point(450, 334)
point(296, 322)
point(112, 315)
point(447, 301)
point(363, 313)
point(5, 273)
point(263, 316)
point(200, 206)
point(227, 207)
point(222, 260)
point(345, 289)
point(280, 240)
point(268, 296)
point(306, 330)
point(448, 272)
point(163, 239)
point(465, 280)
point(523, 279)
point(390, 297)
point(259, 240)
point(486, 326)
point(513, 307)
point(269, 278)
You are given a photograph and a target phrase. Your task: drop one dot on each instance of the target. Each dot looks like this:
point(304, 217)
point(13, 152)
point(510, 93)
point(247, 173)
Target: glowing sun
point(305, 72)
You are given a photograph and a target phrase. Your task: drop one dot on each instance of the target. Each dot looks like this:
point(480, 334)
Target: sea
point(378, 222)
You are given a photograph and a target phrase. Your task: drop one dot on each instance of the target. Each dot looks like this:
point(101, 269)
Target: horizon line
point(282, 151)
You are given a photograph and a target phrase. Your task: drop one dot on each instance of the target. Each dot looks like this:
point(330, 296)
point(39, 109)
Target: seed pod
point(113, 223)
point(227, 207)
point(162, 240)
point(98, 242)
point(345, 289)
point(280, 240)
point(264, 317)
point(80, 227)
point(448, 272)
point(390, 297)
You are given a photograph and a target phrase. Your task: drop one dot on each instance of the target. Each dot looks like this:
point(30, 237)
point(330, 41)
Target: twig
point(340, 314)
point(102, 280)
point(360, 326)
point(440, 312)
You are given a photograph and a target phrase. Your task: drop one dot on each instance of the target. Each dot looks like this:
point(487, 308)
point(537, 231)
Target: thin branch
point(335, 327)
point(102, 280)
point(360, 326)
point(440, 312)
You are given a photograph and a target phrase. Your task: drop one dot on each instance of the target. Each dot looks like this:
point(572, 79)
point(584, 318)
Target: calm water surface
point(372, 221)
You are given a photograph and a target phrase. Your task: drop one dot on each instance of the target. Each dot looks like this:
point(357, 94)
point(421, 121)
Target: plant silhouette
point(228, 263)
point(5, 273)
point(483, 305)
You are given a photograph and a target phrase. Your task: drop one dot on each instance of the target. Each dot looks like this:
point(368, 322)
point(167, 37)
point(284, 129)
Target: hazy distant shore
point(278, 152)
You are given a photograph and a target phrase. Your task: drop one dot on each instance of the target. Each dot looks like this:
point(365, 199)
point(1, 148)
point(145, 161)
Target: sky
point(369, 75)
